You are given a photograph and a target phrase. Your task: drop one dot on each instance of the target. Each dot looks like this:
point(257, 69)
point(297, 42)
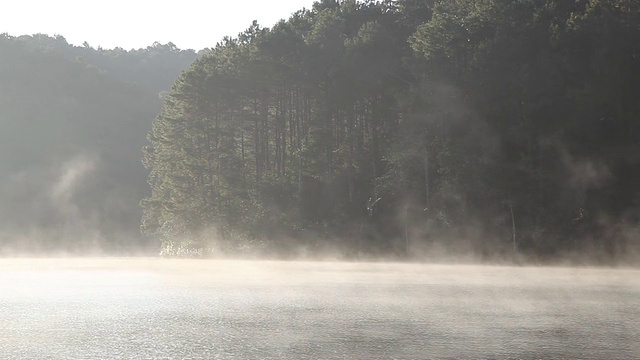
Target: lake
point(102, 308)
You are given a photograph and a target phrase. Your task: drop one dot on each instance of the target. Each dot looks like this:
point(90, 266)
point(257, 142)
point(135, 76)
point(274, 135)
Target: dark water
point(166, 309)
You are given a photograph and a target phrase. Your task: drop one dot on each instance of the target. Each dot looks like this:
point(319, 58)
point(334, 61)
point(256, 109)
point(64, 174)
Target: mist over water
point(205, 309)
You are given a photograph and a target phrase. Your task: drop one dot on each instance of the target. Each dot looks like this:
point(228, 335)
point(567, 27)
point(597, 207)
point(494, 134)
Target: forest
point(405, 129)
point(409, 128)
point(73, 121)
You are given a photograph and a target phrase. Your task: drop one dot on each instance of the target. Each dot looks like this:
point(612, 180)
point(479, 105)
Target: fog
point(367, 179)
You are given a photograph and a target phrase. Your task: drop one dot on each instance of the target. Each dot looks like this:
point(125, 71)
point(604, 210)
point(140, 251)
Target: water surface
point(200, 309)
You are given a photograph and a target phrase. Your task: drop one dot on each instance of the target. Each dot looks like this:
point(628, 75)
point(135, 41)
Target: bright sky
point(194, 24)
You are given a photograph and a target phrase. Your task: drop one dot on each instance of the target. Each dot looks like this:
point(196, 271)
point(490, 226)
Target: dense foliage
point(72, 123)
point(474, 126)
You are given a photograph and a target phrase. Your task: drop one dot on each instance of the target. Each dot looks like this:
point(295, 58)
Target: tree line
point(492, 127)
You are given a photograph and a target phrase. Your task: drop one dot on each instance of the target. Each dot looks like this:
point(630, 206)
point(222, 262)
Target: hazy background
point(74, 120)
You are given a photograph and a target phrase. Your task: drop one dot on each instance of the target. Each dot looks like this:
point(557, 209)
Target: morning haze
point(362, 179)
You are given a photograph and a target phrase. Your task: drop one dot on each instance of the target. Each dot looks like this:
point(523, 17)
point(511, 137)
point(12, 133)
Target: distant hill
point(73, 121)
point(154, 68)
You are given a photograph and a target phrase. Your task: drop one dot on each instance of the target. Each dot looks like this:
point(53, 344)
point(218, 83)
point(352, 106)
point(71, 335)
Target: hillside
point(73, 122)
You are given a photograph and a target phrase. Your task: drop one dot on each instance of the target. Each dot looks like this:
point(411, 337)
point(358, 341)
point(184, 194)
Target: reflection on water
point(169, 309)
